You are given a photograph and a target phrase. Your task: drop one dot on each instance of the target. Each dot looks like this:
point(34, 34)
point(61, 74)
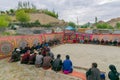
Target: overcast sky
point(69, 10)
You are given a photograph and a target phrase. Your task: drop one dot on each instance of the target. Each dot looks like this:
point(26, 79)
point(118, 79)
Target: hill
point(44, 19)
point(113, 21)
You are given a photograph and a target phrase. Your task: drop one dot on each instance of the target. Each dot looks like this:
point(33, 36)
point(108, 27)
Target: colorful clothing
point(32, 58)
point(67, 66)
point(25, 58)
point(57, 64)
point(47, 62)
point(39, 60)
point(93, 74)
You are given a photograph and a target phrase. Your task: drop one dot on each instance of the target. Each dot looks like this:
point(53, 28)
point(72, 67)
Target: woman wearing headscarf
point(113, 74)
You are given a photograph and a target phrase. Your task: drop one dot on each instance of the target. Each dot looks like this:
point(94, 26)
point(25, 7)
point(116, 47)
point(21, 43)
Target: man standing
point(93, 73)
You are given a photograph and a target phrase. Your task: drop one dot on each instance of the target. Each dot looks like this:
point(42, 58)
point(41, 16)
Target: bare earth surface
point(17, 71)
point(85, 54)
point(81, 55)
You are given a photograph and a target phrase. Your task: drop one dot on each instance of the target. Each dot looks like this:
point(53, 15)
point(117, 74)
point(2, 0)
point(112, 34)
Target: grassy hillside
point(111, 22)
point(43, 19)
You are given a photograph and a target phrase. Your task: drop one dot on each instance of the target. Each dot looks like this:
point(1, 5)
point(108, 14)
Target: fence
point(7, 44)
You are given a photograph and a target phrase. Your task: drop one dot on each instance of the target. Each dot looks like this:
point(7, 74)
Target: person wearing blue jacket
point(67, 65)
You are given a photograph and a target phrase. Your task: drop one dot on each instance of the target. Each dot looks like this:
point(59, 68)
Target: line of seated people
point(101, 42)
point(46, 60)
point(17, 52)
point(41, 56)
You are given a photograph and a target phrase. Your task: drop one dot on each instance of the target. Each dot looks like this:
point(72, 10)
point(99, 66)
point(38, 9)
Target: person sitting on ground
point(39, 60)
point(15, 56)
point(93, 41)
point(118, 43)
point(43, 51)
point(89, 41)
point(97, 41)
point(57, 63)
point(38, 46)
point(110, 42)
point(93, 73)
point(32, 58)
point(33, 48)
point(58, 41)
point(47, 62)
point(43, 44)
point(46, 44)
point(50, 53)
point(27, 48)
point(18, 53)
point(113, 74)
point(22, 50)
point(25, 57)
point(115, 42)
point(102, 41)
point(106, 42)
point(67, 65)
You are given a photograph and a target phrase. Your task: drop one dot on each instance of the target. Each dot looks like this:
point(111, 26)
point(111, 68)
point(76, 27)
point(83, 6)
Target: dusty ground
point(81, 55)
point(85, 54)
point(17, 71)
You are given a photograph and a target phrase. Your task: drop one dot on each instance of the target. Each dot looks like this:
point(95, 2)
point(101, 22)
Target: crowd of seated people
point(40, 55)
point(100, 42)
point(27, 50)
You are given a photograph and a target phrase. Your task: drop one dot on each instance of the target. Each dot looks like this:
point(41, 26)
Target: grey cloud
point(69, 10)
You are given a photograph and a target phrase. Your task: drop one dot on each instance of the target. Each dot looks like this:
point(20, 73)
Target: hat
point(18, 50)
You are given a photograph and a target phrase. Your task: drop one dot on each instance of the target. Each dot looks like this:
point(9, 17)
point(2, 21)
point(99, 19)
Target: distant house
point(116, 32)
point(99, 31)
point(103, 31)
point(2, 29)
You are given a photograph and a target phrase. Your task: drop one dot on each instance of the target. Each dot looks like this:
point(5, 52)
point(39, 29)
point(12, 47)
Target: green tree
point(86, 25)
point(37, 23)
point(4, 21)
point(118, 25)
point(51, 13)
point(72, 24)
point(103, 26)
point(12, 11)
point(27, 6)
point(22, 16)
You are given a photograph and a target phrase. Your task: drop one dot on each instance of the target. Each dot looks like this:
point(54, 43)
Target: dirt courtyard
point(84, 54)
point(81, 55)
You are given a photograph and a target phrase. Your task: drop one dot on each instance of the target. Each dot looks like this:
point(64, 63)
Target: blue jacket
point(67, 65)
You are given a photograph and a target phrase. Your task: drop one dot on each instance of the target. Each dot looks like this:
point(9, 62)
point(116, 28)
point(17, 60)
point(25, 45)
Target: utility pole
point(96, 19)
point(77, 22)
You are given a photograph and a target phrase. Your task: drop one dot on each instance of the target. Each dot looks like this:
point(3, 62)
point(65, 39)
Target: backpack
point(102, 76)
